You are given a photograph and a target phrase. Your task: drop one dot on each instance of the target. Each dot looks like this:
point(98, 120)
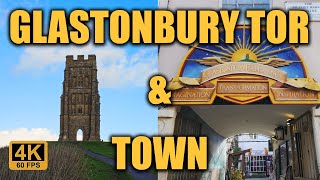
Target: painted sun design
point(244, 51)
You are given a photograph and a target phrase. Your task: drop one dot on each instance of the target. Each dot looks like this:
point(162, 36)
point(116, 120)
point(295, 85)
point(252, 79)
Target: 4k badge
point(28, 155)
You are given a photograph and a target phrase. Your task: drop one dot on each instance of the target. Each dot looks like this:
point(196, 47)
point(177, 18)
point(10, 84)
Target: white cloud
point(24, 134)
point(116, 68)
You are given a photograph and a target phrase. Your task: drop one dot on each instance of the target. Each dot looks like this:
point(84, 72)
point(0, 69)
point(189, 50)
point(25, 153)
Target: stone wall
point(184, 121)
point(80, 101)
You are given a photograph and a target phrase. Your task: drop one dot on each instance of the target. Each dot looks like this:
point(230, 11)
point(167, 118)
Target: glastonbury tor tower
point(80, 100)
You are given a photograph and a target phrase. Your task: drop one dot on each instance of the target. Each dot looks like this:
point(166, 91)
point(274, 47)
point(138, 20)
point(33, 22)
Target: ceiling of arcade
point(230, 120)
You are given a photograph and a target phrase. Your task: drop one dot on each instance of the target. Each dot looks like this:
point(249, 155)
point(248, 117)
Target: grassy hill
point(67, 161)
point(109, 150)
point(104, 148)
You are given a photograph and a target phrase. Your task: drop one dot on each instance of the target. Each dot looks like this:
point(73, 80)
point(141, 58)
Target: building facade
point(297, 153)
point(80, 100)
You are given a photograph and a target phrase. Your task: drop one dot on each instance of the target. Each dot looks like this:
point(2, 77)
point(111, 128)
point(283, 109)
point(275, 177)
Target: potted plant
point(236, 175)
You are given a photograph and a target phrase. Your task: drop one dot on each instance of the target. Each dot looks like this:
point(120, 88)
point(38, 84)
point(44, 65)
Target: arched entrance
point(79, 135)
point(281, 156)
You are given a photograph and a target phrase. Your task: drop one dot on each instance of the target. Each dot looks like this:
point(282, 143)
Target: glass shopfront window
point(246, 4)
point(258, 164)
point(243, 5)
point(283, 158)
point(277, 163)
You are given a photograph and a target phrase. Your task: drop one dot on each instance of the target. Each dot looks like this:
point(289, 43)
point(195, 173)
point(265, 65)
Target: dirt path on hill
point(137, 175)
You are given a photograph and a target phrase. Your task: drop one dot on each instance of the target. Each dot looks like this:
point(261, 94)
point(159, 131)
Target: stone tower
point(80, 100)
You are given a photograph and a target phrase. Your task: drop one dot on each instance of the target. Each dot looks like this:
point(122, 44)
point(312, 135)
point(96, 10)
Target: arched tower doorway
point(79, 135)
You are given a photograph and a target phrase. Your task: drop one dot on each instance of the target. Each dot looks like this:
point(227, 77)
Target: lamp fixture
point(289, 121)
point(279, 133)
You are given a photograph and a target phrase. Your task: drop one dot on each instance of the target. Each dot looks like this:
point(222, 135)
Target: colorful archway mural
point(243, 73)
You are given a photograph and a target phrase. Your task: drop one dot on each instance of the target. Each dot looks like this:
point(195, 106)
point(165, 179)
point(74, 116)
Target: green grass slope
point(109, 150)
point(66, 161)
point(98, 170)
point(104, 148)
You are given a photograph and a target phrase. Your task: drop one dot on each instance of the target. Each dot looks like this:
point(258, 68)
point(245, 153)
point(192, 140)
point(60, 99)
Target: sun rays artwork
point(243, 51)
point(243, 73)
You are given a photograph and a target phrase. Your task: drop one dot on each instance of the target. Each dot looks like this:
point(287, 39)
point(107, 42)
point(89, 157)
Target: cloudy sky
point(31, 78)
